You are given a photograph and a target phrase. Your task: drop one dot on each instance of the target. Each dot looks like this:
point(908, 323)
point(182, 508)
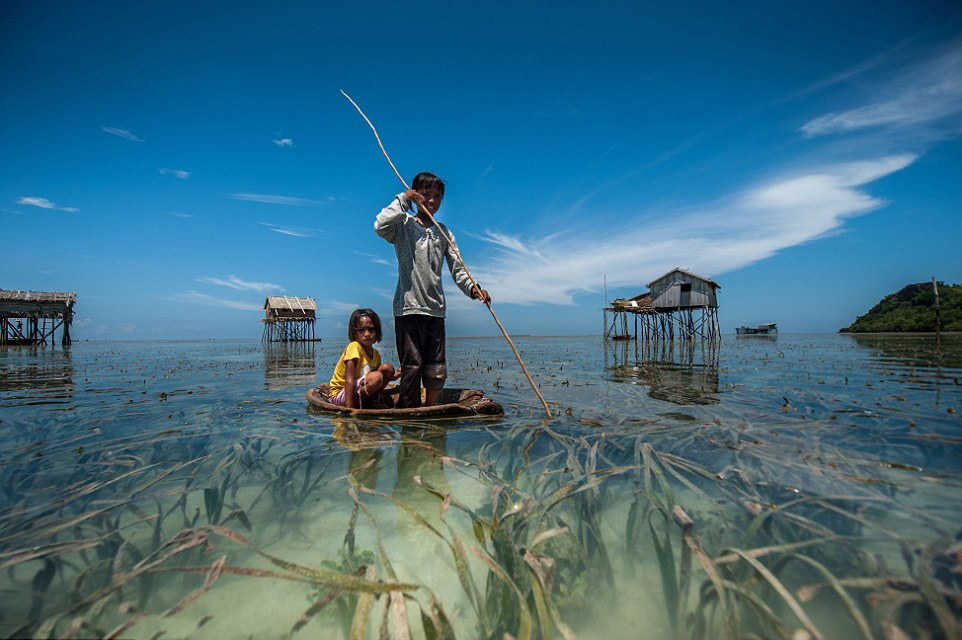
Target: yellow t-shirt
point(364, 365)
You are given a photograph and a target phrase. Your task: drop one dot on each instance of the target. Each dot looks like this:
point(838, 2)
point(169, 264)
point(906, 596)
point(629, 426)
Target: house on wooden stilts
point(289, 319)
point(33, 317)
point(679, 304)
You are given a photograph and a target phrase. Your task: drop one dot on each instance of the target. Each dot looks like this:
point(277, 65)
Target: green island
point(912, 308)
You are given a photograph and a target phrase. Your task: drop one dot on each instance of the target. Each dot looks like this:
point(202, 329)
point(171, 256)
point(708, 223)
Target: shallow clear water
point(187, 488)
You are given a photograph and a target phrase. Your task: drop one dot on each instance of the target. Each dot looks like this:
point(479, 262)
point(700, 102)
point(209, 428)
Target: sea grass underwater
point(801, 487)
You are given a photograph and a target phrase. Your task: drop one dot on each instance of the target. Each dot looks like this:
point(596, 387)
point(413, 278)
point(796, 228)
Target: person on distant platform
point(359, 376)
point(419, 305)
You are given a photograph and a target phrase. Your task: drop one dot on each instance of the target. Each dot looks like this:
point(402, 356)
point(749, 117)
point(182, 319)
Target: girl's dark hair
point(355, 323)
point(427, 180)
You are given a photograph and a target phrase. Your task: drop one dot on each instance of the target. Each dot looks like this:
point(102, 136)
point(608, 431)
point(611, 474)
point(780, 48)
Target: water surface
point(748, 488)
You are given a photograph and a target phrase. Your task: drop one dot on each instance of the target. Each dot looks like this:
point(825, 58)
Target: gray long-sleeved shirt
point(419, 254)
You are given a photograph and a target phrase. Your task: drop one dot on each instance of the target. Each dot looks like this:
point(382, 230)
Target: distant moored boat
point(767, 329)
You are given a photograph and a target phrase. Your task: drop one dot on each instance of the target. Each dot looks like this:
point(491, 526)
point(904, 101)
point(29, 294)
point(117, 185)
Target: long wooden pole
point(457, 254)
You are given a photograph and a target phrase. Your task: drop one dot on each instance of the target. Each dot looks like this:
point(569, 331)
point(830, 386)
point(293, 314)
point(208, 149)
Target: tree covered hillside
point(913, 309)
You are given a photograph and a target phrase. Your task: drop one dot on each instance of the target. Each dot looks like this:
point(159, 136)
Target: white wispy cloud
point(722, 236)
point(43, 203)
point(376, 259)
point(284, 142)
point(510, 243)
point(383, 293)
point(179, 173)
point(194, 297)
point(338, 308)
point(182, 215)
point(233, 282)
point(923, 94)
point(298, 232)
point(122, 133)
point(272, 199)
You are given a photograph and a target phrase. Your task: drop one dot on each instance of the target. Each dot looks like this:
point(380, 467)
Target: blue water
point(130, 472)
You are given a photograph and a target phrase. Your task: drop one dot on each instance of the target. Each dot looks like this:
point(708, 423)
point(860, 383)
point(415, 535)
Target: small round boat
point(452, 402)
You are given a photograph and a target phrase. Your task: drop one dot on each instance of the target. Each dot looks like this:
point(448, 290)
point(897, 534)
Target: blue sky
point(175, 163)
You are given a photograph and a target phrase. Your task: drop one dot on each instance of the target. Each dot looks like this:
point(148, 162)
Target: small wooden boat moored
point(767, 329)
point(453, 402)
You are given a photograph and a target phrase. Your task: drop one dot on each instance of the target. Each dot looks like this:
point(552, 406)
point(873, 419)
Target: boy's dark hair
point(427, 180)
point(355, 323)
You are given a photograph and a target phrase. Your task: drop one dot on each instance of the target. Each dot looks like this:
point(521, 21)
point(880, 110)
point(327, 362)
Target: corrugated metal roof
point(688, 273)
point(290, 302)
point(17, 295)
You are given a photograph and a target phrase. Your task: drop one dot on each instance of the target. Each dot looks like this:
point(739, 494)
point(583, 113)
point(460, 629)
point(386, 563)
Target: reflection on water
point(758, 489)
point(289, 364)
point(45, 369)
point(683, 372)
point(912, 350)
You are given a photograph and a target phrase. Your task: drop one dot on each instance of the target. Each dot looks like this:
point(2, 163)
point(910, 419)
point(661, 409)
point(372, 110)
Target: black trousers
point(420, 350)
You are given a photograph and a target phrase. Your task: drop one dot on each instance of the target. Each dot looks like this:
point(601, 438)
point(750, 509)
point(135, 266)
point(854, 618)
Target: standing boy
point(419, 298)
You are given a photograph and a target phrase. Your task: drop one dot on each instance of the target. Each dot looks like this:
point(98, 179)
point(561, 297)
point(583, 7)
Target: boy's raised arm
point(387, 221)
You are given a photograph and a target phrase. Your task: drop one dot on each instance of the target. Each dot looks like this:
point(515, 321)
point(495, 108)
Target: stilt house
point(32, 317)
point(289, 319)
point(680, 289)
point(680, 304)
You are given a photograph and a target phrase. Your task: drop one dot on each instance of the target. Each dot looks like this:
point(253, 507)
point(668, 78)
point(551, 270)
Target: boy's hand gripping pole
point(457, 255)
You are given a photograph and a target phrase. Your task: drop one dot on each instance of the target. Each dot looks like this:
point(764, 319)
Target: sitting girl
point(359, 375)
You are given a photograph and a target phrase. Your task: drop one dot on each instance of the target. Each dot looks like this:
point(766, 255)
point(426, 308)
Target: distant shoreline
point(898, 333)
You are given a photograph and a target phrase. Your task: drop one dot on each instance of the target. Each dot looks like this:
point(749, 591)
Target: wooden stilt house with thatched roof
point(289, 319)
point(33, 317)
point(679, 304)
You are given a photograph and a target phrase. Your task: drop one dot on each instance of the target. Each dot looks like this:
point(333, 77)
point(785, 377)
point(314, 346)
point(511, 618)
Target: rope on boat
point(457, 255)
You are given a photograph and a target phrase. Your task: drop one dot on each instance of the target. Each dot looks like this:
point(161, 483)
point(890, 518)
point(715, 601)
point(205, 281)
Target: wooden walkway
point(31, 318)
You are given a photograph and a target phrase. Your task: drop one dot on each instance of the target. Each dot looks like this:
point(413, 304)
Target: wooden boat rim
point(470, 402)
